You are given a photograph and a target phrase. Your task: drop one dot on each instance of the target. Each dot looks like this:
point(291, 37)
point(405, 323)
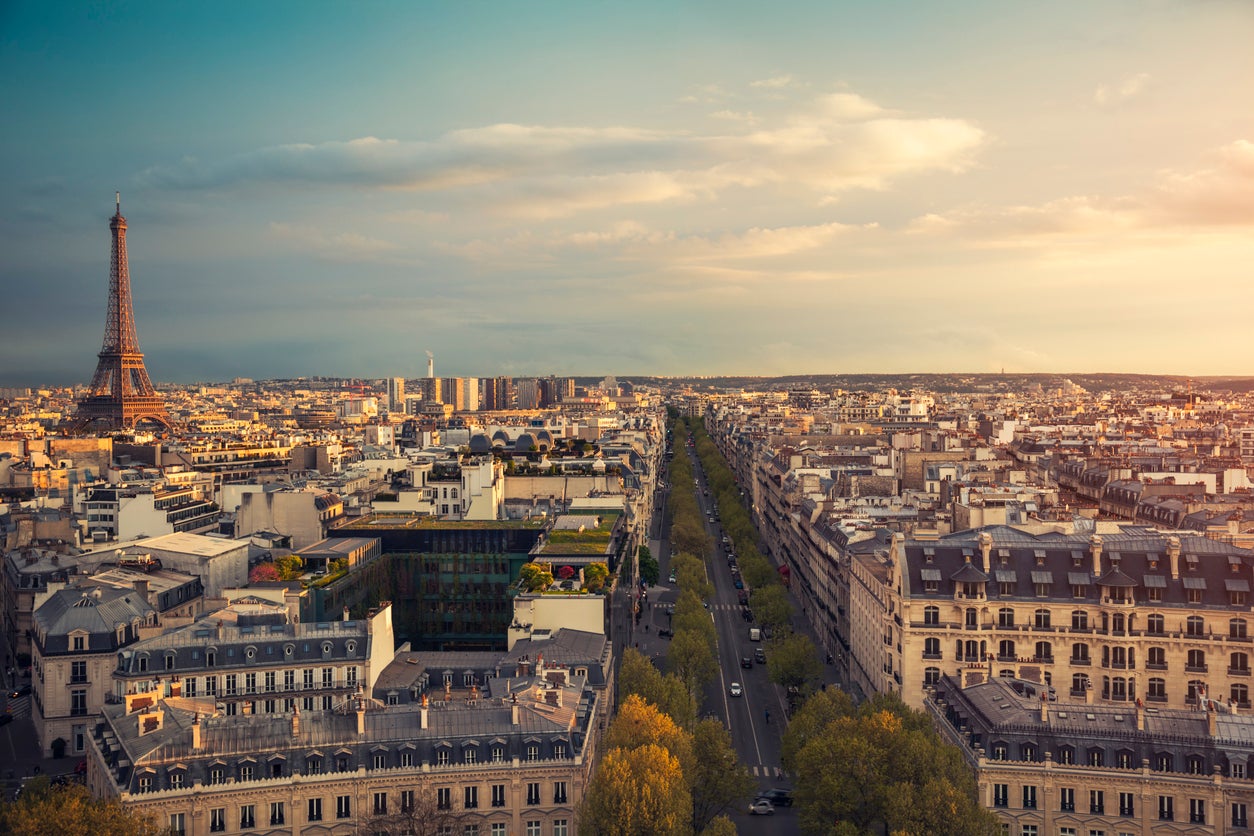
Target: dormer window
point(1190, 561)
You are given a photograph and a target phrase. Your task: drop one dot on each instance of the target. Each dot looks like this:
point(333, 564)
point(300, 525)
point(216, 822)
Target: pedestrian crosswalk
point(19, 707)
point(764, 771)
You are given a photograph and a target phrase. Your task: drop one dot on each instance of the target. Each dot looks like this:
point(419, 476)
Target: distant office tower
point(527, 393)
point(451, 392)
point(497, 393)
point(396, 394)
point(470, 393)
point(563, 389)
point(121, 393)
point(430, 365)
point(431, 391)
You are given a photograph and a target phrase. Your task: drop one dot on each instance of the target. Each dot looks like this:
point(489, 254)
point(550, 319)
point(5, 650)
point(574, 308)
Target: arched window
point(972, 618)
point(1194, 625)
point(1237, 628)
point(931, 615)
point(1239, 663)
point(1080, 654)
point(931, 648)
point(1005, 617)
point(973, 652)
point(931, 676)
point(1079, 683)
point(1006, 649)
point(1196, 686)
point(1155, 624)
point(1157, 689)
point(1117, 622)
point(1196, 661)
point(1041, 619)
point(1079, 620)
point(1157, 659)
point(1044, 652)
point(1239, 693)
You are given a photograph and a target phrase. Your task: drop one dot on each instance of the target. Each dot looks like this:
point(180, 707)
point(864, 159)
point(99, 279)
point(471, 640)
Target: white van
point(755, 634)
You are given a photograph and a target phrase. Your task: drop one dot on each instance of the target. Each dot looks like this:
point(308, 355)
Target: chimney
point(296, 721)
point(1095, 548)
point(422, 716)
point(1088, 691)
point(346, 618)
point(361, 717)
point(513, 709)
point(986, 550)
point(1045, 705)
point(1173, 554)
point(1140, 715)
point(141, 586)
point(1211, 726)
point(196, 733)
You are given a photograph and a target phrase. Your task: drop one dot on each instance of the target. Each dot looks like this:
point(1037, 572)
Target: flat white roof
point(197, 544)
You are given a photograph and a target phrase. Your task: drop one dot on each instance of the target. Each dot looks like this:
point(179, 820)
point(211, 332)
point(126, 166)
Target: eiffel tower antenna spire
point(121, 393)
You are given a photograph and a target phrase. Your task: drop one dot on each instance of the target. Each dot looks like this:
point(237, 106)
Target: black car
point(777, 797)
point(665, 633)
point(759, 655)
point(747, 613)
point(746, 662)
point(20, 691)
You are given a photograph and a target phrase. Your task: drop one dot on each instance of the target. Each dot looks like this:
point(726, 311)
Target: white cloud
point(336, 246)
point(1111, 95)
point(777, 82)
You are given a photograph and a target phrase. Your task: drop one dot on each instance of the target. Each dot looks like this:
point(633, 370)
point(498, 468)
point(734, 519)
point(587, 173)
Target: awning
point(930, 574)
point(1005, 575)
point(1155, 581)
point(1078, 578)
point(1195, 583)
point(1237, 585)
point(1043, 577)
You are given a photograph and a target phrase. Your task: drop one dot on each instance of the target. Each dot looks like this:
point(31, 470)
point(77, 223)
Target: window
point(1197, 810)
point(247, 817)
point(1006, 649)
point(1156, 659)
point(1196, 661)
point(559, 792)
point(78, 703)
point(407, 758)
point(1079, 620)
point(1028, 830)
point(533, 793)
point(1126, 804)
point(1001, 795)
point(931, 676)
point(1239, 664)
point(559, 827)
point(250, 683)
point(145, 783)
point(380, 803)
point(444, 798)
point(78, 673)
point(1005, 617)
point(1166, 808)
point(533, 752)
point(1237, 770)
point(1066, 831)
point(1195, 765)
point(315, 809)
point(217, 774)
point(1044, 652)
point(217, 820)
point(498, 754)
point(269, 680)
point(1097, 801)
point(1066, 799)
point(1000, 751)
point(276, 812)
point(931, 615)
point(1239, 818)
point(1029, 798)
point(78, 645)
point(308, 678)
point(471, 798)
point(441, 757)
point(1157, 689)
point(328, 677)
point(1041, 619)
point(211, 686)
point(1079, 653)
point(1194, 625)
point(1066, 754)
point(1193, 595)
point(499, 828)
point(1155, 624)
point(1097, 757)
point(246, 772)
point(289, 680)
point(931, 648)
point(1237, 628)
point(1239, 693)
point(971, 619)
point(178, 824)
point(470, 755)
point(379, 760)
point(559, 750)
point(470, 830)
point(343, 806)
point(533, 828)
point(498, 795)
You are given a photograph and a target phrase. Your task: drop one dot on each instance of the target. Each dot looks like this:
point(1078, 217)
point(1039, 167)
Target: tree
point(263, 572)
point(566, 572)
point(422, 817)
point(637, 792)
point(637, 675)
point(650, 571)
point(70, 811)
point(289, 566)
point(771, 606)
point(594, 576)
point(720, 826)
point(794, 663)
point(535, 576)
point(719, 781)
point(882, 769)
point(808, 723)
point(691, 659)
point(640, 723)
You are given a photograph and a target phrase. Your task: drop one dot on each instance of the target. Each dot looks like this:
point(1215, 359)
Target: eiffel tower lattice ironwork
point(121, 392)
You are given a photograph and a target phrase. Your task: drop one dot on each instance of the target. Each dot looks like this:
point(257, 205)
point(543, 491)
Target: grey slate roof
point(99, 611)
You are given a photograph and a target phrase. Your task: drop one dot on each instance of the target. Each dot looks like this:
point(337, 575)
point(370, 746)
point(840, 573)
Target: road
point(756, 739)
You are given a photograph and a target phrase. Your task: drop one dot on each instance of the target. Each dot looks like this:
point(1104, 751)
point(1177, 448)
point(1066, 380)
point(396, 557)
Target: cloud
point(1108, 95)
point(338, 246)
point(1219, 192)
point(777, 82)
point(830, 144)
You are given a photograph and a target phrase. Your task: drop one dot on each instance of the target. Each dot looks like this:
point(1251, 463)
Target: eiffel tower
point(121, 394)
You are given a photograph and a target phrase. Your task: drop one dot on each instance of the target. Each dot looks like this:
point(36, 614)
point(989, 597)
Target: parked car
point(747, 613)
point(666, 633)
point(738, 583)
point(671, 578)
point(735, 690)
point(761, 807)
point(746, 662)
point(778, 797)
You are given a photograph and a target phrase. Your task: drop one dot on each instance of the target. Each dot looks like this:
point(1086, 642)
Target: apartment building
point(492, 757)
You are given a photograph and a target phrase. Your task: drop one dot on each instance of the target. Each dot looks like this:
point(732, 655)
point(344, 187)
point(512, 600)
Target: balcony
point(1156, 666)
point(1078, 660)
point(1195, 668)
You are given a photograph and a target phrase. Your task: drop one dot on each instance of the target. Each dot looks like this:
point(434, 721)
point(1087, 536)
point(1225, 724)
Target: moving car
point(671, 579)
point(761, 807)
point(778, 797)
point(759, 655)
point(746, 662)
point(735, 690)
point(748, 614)
point(666, 633)
point(20, 691)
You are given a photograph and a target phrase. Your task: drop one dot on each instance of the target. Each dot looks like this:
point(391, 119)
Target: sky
point(660, 188)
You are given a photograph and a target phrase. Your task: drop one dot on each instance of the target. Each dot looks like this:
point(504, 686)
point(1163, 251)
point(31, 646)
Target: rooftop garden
point(593, 538)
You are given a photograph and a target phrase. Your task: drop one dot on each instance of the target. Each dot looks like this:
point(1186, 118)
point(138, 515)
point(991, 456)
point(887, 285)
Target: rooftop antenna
point(117, 196)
